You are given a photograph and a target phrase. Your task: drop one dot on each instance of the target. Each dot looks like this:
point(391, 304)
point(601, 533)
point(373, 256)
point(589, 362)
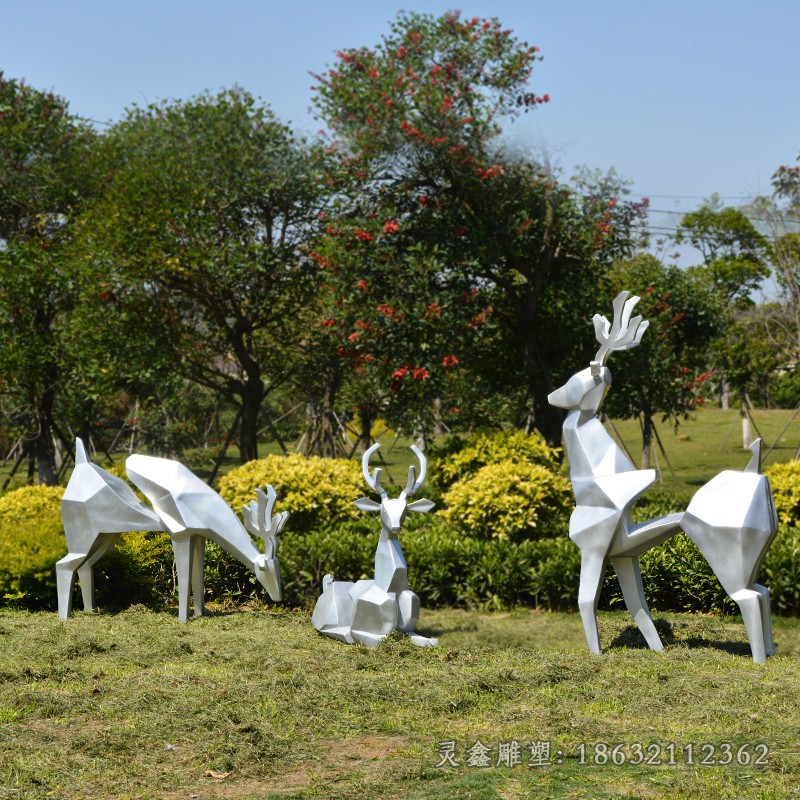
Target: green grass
point(134, 705)
point(711, 441)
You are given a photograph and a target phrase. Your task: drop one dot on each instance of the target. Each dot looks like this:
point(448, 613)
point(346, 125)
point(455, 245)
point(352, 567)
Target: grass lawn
point(710, 441)
point(254, 703)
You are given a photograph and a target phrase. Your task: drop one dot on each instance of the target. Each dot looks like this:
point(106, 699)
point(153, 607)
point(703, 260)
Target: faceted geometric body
point(731, 519)
point(333, 613)
point(96, 508)
point(368, 610)
point(192, 512)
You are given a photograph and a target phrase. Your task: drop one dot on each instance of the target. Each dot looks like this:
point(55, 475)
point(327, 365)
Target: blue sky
point(683, 98)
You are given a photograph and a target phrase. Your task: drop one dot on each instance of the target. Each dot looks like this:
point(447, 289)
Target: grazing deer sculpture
point(97, 506)
point(731, 519)
point(368, 610)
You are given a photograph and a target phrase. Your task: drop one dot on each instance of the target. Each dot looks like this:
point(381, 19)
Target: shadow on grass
point(630, 637)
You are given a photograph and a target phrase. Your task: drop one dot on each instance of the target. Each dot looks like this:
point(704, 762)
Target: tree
point(667, 373)
point(44, 184)
point(417, 120)
point(735, 254)
point(202, 223)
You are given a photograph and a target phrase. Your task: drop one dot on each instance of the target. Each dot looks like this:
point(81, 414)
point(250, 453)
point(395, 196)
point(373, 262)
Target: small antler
point(625, 333)
point(413, 482)
point(374, 480)
point(258, 519)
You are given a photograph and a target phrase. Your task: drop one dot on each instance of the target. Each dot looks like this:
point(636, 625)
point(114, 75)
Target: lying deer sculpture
point(368, 610)
point(97, 506)
point(731, 519)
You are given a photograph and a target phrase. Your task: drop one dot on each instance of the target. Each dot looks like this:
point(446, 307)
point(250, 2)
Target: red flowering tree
point(415, 122)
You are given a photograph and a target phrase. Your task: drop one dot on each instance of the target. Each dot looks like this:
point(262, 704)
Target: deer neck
point(590, 449)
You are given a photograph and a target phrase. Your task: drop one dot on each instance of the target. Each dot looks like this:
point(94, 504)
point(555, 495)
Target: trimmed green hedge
point(450, 563)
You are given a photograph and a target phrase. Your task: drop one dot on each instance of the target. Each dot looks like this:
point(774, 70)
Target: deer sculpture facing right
point(731, 519)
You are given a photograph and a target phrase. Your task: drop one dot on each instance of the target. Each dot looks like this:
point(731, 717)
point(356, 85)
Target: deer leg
point(183, 550)
point(630, 579)
point(198, 578)
point(593, 566)
point(749, 602)
point(766, 618)
point(103, 543)
point(65, 581)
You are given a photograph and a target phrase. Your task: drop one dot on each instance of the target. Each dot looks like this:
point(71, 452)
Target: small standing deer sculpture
point(368, 610)
point(731, 519)
point(98, 506)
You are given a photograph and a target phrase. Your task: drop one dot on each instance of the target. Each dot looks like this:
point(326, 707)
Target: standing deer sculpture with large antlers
point(731, 519)
point(369, 610)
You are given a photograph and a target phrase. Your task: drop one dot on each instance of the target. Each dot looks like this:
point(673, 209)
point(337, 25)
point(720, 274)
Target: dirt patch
point(362, 755)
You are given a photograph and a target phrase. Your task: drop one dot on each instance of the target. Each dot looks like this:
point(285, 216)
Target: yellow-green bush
point(317, 491)
point(458, 458)
point(785, 482)
point(31, 541)
point(510, 500)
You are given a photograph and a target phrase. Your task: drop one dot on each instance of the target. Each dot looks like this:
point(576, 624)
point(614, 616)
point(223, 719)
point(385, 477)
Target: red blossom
point(328, 323)
point(361, 325)
point(477, 321)
point(421, 374)
point(353, 337)
point(449, 361)
point(401, 372)
point(363, 285)
point(401, 52)
point(362, 235)
point(386, 310)
point(423, 201)
point(373, 72)
point(391, 226)
point(434, 311)
point(491, 172)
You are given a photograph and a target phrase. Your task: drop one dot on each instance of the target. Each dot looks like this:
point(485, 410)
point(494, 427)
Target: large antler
point(374, 480)
point(625, 333)
point(258, 519)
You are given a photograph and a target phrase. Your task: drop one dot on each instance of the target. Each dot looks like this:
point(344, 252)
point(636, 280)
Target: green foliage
point(510, 500)
point(31, 541)
point(785, 482)
point(459, 457)
point(316, 491)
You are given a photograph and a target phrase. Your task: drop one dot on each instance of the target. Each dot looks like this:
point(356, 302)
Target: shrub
point(31, 541)
point(457, 458)
point(510, 500)
point(785, 482)
point(317, 491)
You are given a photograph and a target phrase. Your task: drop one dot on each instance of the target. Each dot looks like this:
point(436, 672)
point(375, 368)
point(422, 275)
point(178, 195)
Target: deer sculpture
point(368, 610)
point(97, 506)
point(731, 519)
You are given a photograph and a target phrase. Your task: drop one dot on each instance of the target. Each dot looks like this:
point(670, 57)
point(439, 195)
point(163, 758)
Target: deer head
point(393, 511)
point(585, 390)
point(258, 520)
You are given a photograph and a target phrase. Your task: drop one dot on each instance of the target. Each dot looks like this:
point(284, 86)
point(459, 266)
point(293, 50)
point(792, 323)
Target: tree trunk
point(321, 429)
point(647, 438)
point(43, 442)
point(252, 395)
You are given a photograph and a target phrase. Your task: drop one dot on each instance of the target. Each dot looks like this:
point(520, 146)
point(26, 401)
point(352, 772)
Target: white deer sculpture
point(97, 506)
point(731, 519)
point(369, 610)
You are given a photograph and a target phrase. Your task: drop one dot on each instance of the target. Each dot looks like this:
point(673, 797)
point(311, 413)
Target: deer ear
point(421, 505)
point(365, 504)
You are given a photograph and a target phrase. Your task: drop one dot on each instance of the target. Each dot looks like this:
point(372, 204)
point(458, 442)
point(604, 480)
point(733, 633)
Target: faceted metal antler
point(413, 482)
point(374, 480)
point(258, 519)
point(625, 333)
